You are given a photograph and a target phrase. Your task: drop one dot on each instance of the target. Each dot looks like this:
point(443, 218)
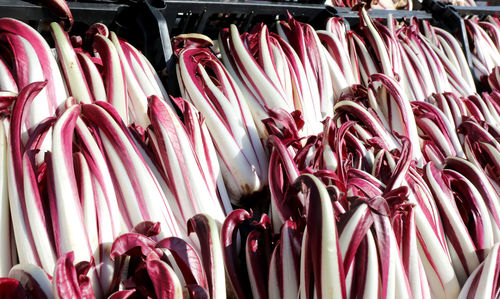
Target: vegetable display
point(297, 163)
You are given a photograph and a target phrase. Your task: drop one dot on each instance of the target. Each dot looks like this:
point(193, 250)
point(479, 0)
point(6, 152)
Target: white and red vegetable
point(300, 163)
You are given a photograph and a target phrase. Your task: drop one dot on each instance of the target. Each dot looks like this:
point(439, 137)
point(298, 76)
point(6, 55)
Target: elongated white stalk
point(114, 77)
point(75, 79)
point(70, 222)
point(6, 254)
point(138, 99)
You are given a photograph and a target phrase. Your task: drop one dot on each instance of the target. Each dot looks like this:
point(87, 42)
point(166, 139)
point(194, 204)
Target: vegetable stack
point(299, 163)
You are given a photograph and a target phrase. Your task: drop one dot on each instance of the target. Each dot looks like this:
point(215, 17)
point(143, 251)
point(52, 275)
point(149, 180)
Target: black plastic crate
point(477, 10)
point(88, 13)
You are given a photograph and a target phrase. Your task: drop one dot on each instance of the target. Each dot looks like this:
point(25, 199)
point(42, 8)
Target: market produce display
point(297, 163)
